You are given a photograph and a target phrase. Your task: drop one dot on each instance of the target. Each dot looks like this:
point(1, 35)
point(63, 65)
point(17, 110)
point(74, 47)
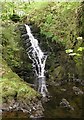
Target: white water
point(39, 58)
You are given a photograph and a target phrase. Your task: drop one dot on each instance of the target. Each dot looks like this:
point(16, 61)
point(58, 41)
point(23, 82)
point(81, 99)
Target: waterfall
point(38, 58)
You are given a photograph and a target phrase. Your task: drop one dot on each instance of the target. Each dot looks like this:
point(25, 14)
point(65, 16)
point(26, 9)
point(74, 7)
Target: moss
point(13, 86)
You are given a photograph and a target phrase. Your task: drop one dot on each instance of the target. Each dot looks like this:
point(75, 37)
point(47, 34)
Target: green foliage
point(56, 20)
point(80, 49)
point(78, 58)
point(78, 52)
point(7, 10)
point(55, 38)
point(19, 8)
point(69, 51)
point(11, 48)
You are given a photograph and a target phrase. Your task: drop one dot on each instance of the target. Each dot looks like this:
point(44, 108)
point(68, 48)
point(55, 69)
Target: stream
point(66, 101)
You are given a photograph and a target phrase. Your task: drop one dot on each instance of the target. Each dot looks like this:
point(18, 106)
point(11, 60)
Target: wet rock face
point(58, 64)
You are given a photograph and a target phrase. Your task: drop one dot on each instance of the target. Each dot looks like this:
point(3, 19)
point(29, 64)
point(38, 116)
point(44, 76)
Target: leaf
point(72, 54)
point(55, 38)
point(78, 54)
point(80, 49)
point(69, 51)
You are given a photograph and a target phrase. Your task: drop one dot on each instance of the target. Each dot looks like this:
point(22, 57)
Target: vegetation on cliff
point(60, 22)
point(58, 26)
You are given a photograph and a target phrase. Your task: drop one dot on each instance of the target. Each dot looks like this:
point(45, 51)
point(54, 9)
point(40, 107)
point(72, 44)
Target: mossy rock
point(13, 86)
point(57, 74)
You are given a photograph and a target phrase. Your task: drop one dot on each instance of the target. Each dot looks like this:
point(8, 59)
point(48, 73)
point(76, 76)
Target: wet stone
point(65, 104)
point(63, 89)
point(77, 91)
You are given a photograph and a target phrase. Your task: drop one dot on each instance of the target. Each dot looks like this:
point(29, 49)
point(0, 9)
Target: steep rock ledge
point(17, 95)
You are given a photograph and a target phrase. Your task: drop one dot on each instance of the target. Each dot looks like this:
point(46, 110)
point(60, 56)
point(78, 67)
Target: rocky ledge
point(32, 108)
point(17, 95)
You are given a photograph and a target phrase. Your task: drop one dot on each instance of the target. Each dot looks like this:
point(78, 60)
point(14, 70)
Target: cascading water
point(38, 57)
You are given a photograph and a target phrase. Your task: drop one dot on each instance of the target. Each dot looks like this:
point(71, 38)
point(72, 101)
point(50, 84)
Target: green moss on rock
point(13, 86)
